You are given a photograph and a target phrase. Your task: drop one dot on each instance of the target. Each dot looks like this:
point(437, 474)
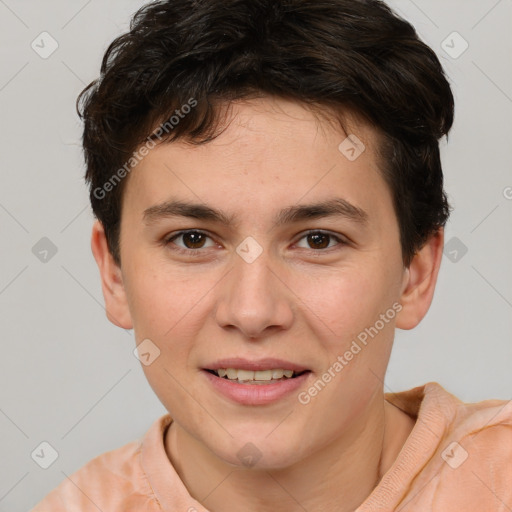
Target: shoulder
point(475, 457)
point(461, 452)
point(483, 428)
point(111, 481)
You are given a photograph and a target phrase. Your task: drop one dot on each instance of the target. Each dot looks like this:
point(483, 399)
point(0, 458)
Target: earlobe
point(420, 281)
point(116, 305)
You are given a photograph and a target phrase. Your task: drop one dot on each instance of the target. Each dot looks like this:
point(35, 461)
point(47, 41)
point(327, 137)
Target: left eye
point(320, 240)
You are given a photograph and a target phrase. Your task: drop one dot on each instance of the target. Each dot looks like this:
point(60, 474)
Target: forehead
point(269, 151)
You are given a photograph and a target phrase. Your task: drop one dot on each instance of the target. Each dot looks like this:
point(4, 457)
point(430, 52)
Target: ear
point(116, 305)
point(420, 281)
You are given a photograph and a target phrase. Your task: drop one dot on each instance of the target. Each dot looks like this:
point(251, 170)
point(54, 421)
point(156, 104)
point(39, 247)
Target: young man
point(269, 195)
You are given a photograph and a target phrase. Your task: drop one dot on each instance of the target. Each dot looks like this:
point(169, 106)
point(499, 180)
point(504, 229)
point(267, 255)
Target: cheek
point(162, 300)
point(344, 310)
point(341, 302)
point(169, 308)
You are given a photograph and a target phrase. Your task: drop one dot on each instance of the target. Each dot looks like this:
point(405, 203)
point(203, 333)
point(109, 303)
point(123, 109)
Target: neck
point(339, 476)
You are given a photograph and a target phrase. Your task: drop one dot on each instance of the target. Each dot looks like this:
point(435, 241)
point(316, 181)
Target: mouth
point(250, 382)
point(256, 377)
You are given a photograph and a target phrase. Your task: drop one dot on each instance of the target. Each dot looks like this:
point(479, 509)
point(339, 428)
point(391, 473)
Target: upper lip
point(255, 364)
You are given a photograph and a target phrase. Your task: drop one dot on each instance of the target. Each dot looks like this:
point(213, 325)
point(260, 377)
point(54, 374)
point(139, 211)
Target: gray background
point(70, 378)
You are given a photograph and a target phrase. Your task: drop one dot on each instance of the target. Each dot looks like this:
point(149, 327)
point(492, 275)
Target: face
point(264, 249)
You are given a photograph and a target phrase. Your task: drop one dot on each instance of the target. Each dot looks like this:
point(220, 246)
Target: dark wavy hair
point(339, 55)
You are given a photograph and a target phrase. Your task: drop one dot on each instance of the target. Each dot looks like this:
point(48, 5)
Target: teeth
point(244, 374)
point(231, 373)
point(263, 375)
point(248, 375)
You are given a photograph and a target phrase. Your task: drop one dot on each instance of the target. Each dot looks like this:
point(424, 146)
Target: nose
point(254, 298)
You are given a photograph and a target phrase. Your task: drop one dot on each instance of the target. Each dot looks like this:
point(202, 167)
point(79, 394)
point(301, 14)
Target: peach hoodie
point(457, 458)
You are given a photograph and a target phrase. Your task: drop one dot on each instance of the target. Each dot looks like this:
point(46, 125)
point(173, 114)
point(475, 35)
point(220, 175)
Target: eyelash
point(168, 240)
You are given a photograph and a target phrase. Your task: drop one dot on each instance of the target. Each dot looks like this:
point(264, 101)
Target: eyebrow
point(337, 207)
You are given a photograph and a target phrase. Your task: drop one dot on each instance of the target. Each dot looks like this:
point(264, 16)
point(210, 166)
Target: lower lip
point(256, 394)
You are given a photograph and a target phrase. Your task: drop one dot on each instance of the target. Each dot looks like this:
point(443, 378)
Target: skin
point(296, 302)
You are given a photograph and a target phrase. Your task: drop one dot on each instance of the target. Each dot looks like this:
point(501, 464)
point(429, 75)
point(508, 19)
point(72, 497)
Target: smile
point(255, 377)
point(256, 387)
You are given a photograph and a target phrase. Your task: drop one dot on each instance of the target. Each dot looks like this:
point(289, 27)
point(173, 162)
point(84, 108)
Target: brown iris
point(319, 240)
point(194, 240)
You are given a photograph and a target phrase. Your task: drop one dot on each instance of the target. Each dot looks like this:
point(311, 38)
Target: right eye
point(192, 241)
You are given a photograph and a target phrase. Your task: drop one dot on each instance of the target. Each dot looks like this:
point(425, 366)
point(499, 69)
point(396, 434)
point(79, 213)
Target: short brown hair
point(353, 54)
